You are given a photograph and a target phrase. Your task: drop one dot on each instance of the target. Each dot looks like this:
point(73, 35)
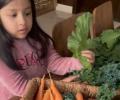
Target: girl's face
point(16, 17)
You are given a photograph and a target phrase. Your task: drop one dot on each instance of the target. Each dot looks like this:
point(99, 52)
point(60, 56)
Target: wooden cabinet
point(72, 3)
point(67, 2)
point(82, 5)
point(116, 9)
point(89, 5)
point(44, 6)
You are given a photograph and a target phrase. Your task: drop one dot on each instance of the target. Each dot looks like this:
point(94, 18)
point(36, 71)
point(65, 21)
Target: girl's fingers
point(70, 78)
point(89, 55)
point(91, 61)
point(87, 52)
point(90, 58)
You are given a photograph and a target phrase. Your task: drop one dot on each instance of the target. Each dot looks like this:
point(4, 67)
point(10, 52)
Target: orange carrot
point(79, 96)
point(57, 95)
point(51, 95)
point(40, 93)
point(46, 95)
point(55, 91)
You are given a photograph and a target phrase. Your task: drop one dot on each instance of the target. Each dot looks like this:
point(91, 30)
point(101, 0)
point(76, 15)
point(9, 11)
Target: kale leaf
point(79, 40)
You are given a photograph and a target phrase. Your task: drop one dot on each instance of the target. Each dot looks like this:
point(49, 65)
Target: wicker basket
point(44, 6)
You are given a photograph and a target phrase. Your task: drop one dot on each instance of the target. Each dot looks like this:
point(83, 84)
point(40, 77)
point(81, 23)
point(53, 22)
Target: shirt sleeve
point(61, 65)
point(12, 80)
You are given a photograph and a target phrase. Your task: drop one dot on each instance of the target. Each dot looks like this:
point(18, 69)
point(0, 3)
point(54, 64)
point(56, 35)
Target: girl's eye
point(14, 15)
point(28, 13)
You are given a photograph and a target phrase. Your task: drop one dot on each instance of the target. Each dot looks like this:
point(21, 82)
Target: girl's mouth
point(22, 30)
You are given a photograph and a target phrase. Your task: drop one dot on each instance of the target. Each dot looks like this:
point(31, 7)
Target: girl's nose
point(21, 20)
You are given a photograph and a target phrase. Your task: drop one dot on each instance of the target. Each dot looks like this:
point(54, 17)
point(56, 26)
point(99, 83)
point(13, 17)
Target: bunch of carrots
point(52, 93)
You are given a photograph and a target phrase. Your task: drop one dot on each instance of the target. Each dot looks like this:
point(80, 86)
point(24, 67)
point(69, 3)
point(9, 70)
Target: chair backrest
point(60, 34)
point(102, 18)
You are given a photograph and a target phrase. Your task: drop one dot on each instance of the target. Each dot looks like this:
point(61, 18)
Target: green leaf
point(73, 43)
point(105, 93)
point(79, 40)
point(110, 37)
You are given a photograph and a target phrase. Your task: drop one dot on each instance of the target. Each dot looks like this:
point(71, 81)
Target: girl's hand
point(70, 78)
point(89, 55)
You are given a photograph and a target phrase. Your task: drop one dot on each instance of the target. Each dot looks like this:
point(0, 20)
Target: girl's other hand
point(70, 78)
point(89, 55)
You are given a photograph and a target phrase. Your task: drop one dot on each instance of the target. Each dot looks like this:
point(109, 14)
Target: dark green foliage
point(109, 74)
point(86, 74)
point(106, 69)
point(68, 96)
point(106, 55)
point(106, 47)
point(105, 93)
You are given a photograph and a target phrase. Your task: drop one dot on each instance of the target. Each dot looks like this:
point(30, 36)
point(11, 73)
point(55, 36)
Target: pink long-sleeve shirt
point(14, 82)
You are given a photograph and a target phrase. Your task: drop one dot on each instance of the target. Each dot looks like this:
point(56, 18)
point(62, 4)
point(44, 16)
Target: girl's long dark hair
point(36, 33)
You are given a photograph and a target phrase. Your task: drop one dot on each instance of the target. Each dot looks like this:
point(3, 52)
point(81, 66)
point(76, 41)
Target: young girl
point(25, 50)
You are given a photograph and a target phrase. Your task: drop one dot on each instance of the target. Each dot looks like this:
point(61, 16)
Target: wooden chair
point(60, 34)
point(102, 18)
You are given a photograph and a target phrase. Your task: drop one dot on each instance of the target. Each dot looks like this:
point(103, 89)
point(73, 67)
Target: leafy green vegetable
point(68, 96)
point(107, 78)
point(109, 74)
point(106, 68)
point(79, 40)
point(86, 74)
point(107, 47)
point(110, 37)
point(105, 93)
